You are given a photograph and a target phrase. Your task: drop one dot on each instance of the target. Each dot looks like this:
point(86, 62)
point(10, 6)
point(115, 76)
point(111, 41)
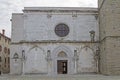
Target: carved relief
point(62, 54)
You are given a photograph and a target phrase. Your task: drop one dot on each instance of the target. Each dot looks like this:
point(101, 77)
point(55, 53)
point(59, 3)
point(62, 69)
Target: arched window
point(0, 48)
point(9, 51)
point(0, 59)
point(62, 30)
point(5, 49)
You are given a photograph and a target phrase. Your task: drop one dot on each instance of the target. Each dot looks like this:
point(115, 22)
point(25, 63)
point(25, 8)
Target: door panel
point(62, 66)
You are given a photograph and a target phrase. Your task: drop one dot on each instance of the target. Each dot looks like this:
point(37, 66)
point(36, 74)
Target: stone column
point(23, 62)
point(97, 58)
point(75, 59)
point(49, 60)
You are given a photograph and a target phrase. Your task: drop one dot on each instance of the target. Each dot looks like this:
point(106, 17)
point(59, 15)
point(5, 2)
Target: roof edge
point(60, 9)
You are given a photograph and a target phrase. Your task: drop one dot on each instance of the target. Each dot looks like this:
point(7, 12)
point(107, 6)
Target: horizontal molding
point(53, 41)
point(109, 37)
point(60, 9)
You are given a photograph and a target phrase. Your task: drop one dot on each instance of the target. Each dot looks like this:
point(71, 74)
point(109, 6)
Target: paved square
point(61, 77)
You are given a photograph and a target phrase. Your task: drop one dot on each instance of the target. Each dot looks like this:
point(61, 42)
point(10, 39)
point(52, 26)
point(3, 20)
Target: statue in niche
point(97, 59)
point(75, 55)
point(92, 35)
point(23, 55)
point(48, 58)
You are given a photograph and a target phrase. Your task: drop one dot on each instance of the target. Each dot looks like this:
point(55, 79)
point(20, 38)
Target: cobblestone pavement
point(60, 77)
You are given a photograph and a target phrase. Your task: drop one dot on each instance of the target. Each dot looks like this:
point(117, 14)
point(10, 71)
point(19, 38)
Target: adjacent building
point(109, 24)
point(4, 53)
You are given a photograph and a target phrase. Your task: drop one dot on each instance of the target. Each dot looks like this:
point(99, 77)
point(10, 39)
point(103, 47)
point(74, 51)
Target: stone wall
point(109, 21)
point(17, 27)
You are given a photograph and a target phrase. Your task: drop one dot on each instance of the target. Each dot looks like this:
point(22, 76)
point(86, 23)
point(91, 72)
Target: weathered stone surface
point(109, 21)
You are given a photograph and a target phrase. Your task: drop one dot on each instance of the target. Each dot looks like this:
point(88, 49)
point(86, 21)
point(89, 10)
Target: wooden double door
point(62, 66)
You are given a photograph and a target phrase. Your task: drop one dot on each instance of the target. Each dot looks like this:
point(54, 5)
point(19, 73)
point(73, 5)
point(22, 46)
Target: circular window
point(62, 30)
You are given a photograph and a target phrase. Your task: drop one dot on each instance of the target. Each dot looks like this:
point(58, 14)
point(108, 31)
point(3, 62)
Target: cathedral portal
point(62, 60)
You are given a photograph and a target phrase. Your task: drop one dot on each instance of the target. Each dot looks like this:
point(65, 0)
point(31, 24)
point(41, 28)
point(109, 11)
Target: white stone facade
point(39, 49)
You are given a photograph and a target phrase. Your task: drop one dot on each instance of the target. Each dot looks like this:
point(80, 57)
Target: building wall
point(36, 37)
point(4, 54)
point(17, 27)
point(109, 19)
point(40, 24)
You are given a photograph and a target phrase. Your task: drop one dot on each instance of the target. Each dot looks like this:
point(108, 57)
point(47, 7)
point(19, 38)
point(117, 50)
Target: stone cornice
point(60, 9)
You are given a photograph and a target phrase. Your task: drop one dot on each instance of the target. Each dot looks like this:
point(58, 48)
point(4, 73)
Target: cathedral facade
point(55, 41)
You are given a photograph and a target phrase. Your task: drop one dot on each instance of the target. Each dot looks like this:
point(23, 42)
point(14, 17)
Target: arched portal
point(62, 60)
point(62, 65)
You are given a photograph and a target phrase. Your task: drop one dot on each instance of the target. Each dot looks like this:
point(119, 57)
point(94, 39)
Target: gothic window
point(62, 30)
